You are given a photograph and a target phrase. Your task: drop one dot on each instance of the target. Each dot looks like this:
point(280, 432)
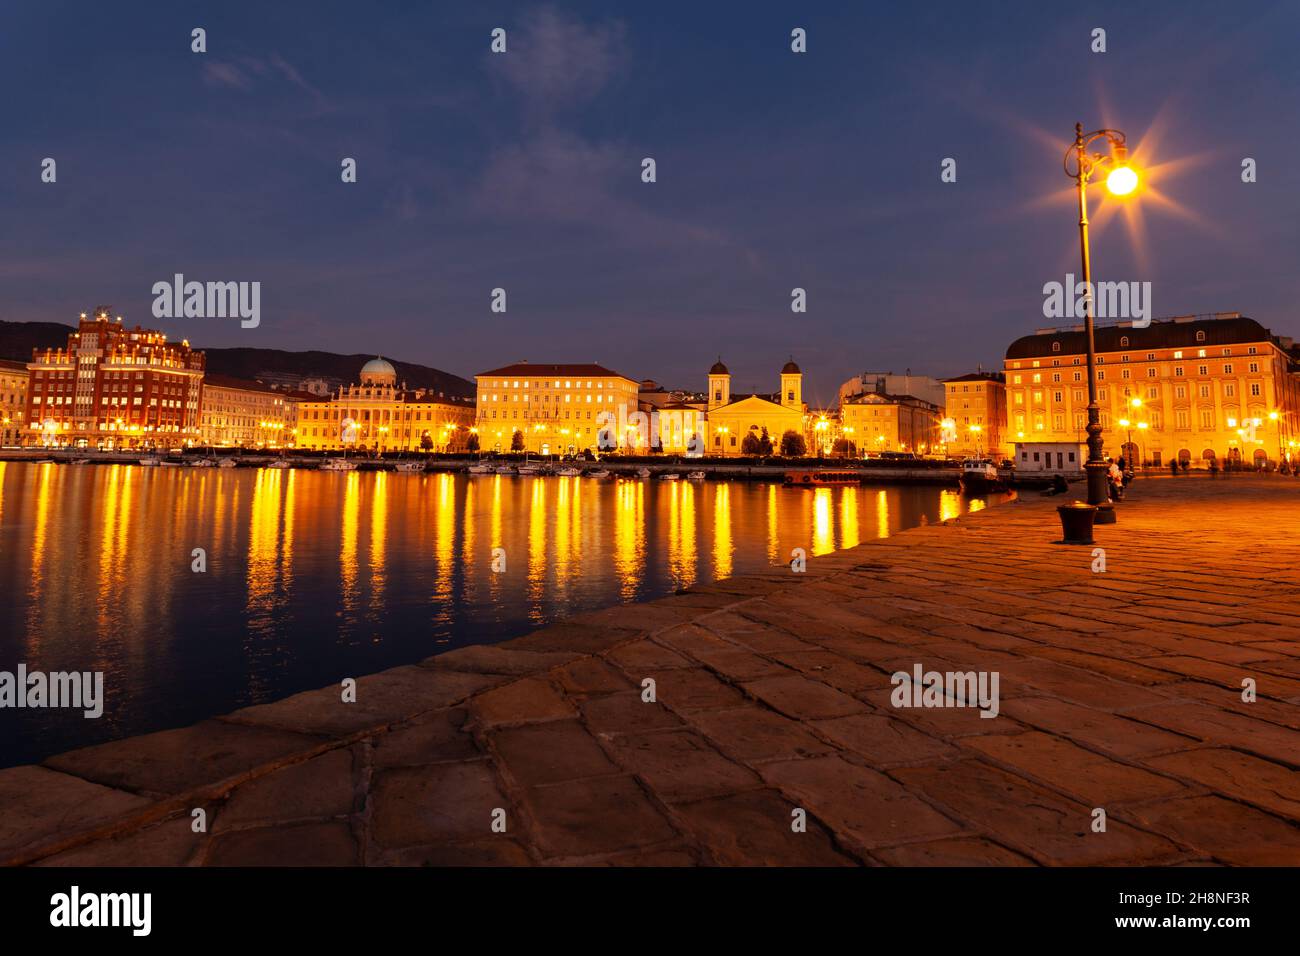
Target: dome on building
point(790, 368)
point(719, 368)
point(378, 371)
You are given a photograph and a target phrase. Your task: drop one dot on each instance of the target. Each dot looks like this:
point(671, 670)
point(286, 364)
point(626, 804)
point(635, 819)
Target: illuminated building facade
point(557, 409)
point(377, 414)
point(239, 413)
point(975, 415)
point(13, 402)
point(877, 422)
point(1195, 388)
point(732, 420)
point(114, 387)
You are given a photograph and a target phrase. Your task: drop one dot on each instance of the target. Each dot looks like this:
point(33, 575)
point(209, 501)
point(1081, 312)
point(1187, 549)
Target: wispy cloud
point(556, 62)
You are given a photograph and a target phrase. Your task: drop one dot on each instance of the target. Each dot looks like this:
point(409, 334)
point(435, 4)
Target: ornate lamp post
point(1121, 181)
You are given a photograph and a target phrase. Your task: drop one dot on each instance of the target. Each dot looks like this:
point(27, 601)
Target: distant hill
point(275, 366)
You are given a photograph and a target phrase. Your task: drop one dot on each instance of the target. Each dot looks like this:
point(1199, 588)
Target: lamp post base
point(1105, 514)
point(1098, 482)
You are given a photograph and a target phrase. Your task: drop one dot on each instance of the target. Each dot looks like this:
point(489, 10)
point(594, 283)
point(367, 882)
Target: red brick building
point(114, 387)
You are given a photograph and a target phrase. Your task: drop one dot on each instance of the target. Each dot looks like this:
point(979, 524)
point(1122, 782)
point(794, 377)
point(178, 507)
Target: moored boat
point(643, 472)
point(821, 479)
point(280, 463)
point(226, 463)
point(568, 472)
point(695, 476)
point(481, 468)
point(148, 461)
point(409, 466)
point(338, 464)
point(670, 476)
point(598, 473)
point(979, 475)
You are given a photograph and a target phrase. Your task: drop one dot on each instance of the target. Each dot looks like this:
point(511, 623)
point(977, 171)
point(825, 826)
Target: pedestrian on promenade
point(1173, 466)
point(1214, 468)
point(1116, 479)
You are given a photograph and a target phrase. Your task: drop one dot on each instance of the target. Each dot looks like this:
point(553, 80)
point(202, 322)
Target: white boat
point(979, 474)
point(670, 476)
point(598, 473)
point(568, 472)
point(643, 472)
point(505, 470)
point(338, 464)
point(530, 469)
point(482, 468)
point(409, 466)
point(280, 463)
point(202, 463)
point(695, 476)
point(79, 461)
point(226, 463)
point(148, 461)
point(171, 464)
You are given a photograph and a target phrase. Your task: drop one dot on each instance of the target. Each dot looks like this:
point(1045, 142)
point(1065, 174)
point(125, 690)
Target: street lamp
point(1121, 181)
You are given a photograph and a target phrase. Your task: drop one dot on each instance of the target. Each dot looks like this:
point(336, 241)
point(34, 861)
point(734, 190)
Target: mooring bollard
point(1076, 522)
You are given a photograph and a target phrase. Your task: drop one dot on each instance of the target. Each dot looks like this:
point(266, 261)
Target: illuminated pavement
point(1120, 691)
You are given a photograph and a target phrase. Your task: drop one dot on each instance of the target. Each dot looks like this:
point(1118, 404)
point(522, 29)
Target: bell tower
point(792, 386)
point(719, 385)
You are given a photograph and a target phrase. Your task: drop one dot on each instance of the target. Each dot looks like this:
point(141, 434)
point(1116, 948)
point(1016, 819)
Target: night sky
point(522, 171)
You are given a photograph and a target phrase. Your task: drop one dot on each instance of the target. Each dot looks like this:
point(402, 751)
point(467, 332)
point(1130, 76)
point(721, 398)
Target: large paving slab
point(1147, 712)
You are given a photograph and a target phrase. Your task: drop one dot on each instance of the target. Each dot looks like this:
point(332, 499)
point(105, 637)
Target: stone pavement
point(1120, 690)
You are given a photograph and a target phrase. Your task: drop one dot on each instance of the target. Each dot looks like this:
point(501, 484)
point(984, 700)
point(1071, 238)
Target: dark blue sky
point(522, 171)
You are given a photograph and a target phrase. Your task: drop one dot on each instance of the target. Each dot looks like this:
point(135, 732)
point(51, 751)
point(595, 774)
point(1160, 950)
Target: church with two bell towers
point(732, 418)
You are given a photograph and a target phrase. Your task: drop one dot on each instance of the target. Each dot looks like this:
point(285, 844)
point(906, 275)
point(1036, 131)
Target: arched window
point(1200, 336)
point(1056, 346)
point(1123, 342)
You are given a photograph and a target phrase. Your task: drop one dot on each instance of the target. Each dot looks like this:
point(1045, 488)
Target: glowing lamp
point(1122, 181)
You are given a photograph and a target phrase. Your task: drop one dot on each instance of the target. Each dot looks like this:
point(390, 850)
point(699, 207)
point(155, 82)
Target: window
point(1056, 346)
point(1227, 369)
point(1123, 343)
point(1200, 336)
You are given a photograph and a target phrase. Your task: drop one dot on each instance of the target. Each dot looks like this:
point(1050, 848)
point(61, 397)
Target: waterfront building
point(239, 413)
point(877, 422)
point(887, 383)
point(13, 401)
point(975, 416)
point(378, 414)
point(1050, 458)
point(114, 387)
point(676, 416)
point(731, 419)
point(1194, 388)
point(557, 409)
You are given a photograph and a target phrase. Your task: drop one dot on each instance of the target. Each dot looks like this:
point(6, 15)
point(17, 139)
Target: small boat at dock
point(979, 475)
point(643, 472)
point(821, 479)
point(670, 476)
point(598, 473)
point(568, 472)
point(409, 466)
point(482, 468)
point(338, 464)
point(695, 476)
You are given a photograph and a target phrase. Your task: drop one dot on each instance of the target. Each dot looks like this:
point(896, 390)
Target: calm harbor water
point(316, 576)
